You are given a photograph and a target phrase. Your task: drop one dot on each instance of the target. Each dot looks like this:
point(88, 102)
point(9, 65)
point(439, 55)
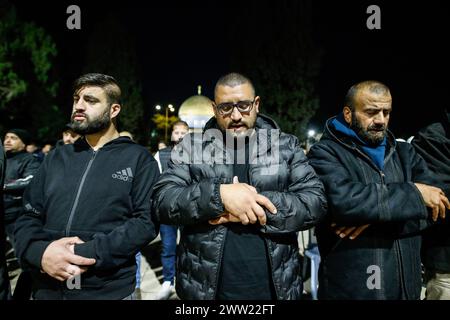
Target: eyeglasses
point(227, 108)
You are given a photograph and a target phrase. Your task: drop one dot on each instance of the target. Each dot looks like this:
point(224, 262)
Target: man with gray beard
point(88, 208)
point(379, 193)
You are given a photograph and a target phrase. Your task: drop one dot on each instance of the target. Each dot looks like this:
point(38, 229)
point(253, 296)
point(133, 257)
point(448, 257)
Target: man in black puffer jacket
point(433, 144)
point(239, 207)
point(378, 185)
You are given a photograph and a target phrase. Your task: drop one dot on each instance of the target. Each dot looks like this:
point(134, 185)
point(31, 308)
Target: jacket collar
point(81, 143)
point(10, 155)
point(346, 141)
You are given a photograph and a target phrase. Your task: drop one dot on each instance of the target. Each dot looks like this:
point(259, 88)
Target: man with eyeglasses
point(239, 212)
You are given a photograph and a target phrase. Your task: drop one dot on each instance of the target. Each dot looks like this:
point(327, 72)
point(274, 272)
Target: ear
point(115, 110)
point(347, 114)
point(256, 103)
point(213, 106)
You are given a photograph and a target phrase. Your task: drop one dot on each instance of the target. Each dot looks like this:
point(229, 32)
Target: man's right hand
point(435, 199)
point(243, 202)
point(353, 232)
point(59, 261)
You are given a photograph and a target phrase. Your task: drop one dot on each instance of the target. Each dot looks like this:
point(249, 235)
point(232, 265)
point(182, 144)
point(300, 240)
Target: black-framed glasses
point(227, 108)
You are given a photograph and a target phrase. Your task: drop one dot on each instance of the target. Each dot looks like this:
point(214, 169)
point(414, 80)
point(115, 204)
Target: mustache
point(78, 114)
point(236, 124)
point(377, 128)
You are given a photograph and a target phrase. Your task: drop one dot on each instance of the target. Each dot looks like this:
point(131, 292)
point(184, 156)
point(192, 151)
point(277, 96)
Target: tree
point(160, 124)
point(27, 83)
point(112, 51)
point(277, 52)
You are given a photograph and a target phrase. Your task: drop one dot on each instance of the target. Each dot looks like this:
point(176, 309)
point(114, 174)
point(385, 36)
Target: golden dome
point(196, 111)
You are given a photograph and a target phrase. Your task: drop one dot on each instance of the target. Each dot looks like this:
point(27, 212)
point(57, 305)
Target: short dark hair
point(232, 80)
point(371, 85)
point(180, 123)
point(108, 83)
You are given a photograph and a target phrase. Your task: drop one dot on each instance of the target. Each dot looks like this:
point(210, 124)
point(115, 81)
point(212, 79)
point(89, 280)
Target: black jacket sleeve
point(432, 144)
point(179, 200)
point(29, 168)
point(114, 249)
point(31, 239)
point(303, 205)
point(355, 203)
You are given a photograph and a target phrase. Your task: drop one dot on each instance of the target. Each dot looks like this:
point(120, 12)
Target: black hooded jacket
point(103, 197)
point(187, 194)
point(383, 262)
point(433, 144)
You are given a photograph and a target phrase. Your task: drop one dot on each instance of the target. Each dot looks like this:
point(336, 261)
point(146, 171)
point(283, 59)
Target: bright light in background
point(171, 108)
point(311, 133)
point(158, 107)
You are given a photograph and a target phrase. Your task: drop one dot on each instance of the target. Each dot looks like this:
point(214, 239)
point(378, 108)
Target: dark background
point(181, 44)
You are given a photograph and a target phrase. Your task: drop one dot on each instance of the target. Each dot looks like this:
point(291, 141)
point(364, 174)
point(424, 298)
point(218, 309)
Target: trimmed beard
point(365, 134)
point(101, 123)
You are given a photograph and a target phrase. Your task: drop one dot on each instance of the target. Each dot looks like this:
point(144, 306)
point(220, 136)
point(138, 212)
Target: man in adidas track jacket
point(88, 207)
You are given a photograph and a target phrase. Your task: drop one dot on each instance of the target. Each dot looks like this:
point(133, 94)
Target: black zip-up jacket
point(383, 262)
point(188, 195)
point(19, 172)
point(433, 144)
point(104, 198)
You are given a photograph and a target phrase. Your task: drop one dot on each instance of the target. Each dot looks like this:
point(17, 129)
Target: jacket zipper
point(77, 198)
point(269, 250)
point(222, 247)
point(404, 293)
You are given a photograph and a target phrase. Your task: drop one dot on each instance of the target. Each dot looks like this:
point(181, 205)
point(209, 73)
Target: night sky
point(180, 44)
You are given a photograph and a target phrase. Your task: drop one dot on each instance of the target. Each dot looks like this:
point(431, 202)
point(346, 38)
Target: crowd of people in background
point(83, 209)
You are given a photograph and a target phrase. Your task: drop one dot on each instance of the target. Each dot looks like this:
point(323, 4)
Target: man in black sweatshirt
point(88, 207)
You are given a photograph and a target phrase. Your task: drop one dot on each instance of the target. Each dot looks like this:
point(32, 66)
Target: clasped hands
point(60, 261)
point(243, 204)
point(433, 197)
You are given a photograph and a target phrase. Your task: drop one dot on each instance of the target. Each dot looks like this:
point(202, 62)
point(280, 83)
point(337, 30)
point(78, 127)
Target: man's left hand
point(224, 218)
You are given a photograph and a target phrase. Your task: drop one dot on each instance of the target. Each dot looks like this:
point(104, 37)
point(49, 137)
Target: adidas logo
point(124, 175)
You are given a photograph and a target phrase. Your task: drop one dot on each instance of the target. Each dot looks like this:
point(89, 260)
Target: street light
point(168, 108)
point(311, 135)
